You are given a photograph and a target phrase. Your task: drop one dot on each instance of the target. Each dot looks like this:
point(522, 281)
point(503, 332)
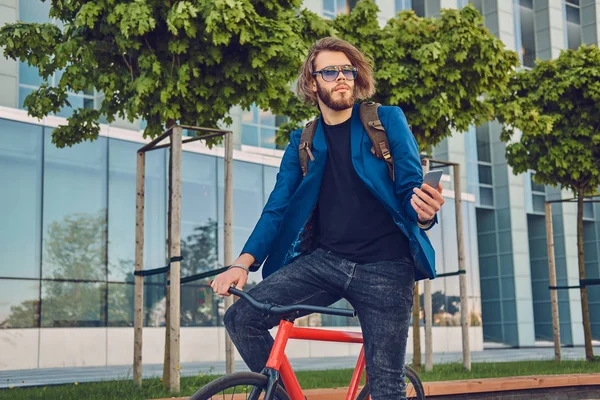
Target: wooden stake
point(175, 247)
point(552, 281)
point(228, 239)
point(416, 329)
point(138, 317)
point(427, 306)
point(464, 300)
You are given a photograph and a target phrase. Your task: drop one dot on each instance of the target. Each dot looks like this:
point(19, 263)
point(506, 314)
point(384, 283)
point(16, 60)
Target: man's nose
point(340, 76)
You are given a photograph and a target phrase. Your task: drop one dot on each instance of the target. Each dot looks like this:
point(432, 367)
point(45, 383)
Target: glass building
point(68, 234)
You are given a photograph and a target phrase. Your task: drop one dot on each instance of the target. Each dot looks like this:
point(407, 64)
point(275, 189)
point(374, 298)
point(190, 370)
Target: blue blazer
point(284, 229)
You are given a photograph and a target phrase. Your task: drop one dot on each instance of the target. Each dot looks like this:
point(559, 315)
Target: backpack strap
point(370, 120)
point(304, 150)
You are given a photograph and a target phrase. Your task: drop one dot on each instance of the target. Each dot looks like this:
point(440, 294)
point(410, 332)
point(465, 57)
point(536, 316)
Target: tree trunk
point(416, 329)
point(587, 329)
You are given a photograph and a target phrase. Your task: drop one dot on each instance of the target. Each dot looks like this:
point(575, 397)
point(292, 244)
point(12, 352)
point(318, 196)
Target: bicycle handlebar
point(286, 310)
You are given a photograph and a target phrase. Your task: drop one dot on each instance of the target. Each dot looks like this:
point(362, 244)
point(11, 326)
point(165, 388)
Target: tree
point(186, 61)
point(436, 69)
point(556, 107)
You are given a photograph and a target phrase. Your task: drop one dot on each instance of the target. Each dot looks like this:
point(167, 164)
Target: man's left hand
point(427, 201)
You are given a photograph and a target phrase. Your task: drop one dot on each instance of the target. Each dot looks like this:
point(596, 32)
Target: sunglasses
point(330, 74)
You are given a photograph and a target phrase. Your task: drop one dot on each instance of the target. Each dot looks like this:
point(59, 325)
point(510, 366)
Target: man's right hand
point(223, 281)
point(233, 276)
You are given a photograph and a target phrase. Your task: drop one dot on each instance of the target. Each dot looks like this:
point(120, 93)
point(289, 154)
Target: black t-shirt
point(352, 223)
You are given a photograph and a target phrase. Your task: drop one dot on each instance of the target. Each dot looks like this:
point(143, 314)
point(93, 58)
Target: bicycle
point(278, 368)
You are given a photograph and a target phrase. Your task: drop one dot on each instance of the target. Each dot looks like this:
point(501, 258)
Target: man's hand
point(233, 276)
point(223, 281)
point(427, 201)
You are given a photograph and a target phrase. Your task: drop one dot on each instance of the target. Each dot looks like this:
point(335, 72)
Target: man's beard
point(344, 103)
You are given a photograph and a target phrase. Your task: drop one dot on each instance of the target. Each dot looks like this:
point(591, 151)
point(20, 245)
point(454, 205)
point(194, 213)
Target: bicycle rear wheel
point(414, 387)
point(237, 386)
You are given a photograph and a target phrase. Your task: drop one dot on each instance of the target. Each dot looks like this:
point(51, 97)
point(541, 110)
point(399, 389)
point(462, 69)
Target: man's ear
point(314, 86)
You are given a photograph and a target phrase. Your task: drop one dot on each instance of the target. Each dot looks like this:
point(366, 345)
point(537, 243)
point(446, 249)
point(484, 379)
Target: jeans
point(381, 293)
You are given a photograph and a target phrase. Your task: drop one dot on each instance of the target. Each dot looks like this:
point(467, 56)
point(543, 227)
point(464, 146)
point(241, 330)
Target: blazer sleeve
point(407, 164)
point(261, 241)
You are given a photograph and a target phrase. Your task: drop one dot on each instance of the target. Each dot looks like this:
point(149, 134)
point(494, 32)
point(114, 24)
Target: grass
point(153, 388)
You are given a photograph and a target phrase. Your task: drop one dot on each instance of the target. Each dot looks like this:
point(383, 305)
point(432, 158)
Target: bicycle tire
point(412, 376)
point(236, 379)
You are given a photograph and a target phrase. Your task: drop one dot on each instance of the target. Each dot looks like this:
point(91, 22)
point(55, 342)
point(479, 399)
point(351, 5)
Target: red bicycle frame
point(278, 361)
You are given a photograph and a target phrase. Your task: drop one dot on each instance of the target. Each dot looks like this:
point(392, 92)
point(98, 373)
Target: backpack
point(374, 128)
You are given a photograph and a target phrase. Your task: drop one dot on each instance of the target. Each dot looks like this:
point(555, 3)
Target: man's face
point(339, 94)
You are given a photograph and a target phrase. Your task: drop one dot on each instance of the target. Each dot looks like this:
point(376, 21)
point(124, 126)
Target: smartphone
point(432, 178)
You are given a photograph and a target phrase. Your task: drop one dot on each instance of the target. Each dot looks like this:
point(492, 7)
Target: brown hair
point(364, 85)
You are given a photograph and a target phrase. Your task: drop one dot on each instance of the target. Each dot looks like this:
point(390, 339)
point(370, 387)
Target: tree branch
point(128, 66)
point(148, 43)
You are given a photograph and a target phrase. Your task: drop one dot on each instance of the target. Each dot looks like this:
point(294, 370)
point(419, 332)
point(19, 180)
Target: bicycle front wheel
point(414, 387)
point(237, 386)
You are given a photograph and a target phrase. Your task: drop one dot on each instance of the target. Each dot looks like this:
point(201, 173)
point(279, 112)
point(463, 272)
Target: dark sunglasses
point(330, 74)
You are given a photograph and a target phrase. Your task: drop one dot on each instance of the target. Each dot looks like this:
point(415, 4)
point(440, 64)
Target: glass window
point(527, 32)
point(331, 8)
point(486, 196)
point(259, 128)
point(23, 93)
point(247, 201)
point(402, 5)
point(19, 303)
point(478, 4)
point(121, 210)
point(332, 320)
point(267, 137)
point(75, 101)
point(482, 133)
point(29, 75)
point(539, 203)
point(573, 24)
point(419, 7)
point(250, 135)
point(20, 161)
point(73, 304)
point(588, 209)
point(535, 187)
point(485, 174)
point(199, 306)
point(34, 11)
point(121, 304)
point(573, 13)
point(198, 213)
point(270, 177)
point(74, 210)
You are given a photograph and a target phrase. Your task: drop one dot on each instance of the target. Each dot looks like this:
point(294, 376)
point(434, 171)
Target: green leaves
point(437, 70)
point(190, 61)
point(193, 60)
point(556, 106)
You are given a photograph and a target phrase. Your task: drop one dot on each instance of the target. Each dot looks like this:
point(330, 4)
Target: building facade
point(68, 235)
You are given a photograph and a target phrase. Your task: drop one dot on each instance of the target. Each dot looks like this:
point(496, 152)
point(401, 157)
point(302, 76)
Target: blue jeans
point(381, 293)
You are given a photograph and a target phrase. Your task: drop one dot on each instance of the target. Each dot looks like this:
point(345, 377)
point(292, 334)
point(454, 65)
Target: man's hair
point(364, 85)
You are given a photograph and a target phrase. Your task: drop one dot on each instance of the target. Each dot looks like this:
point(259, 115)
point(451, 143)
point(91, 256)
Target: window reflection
point(527, 17)
point(121, 304)
point(402, 5)
point(573, 22)
point(259, 128)
point(121, 210)
point(74, 219)
point(19, 304)
point(73, 304)
point(198, 213)
point(20, 161)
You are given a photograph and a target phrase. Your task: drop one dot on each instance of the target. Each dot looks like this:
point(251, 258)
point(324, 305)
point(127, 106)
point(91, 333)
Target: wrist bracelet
point(239, 266)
